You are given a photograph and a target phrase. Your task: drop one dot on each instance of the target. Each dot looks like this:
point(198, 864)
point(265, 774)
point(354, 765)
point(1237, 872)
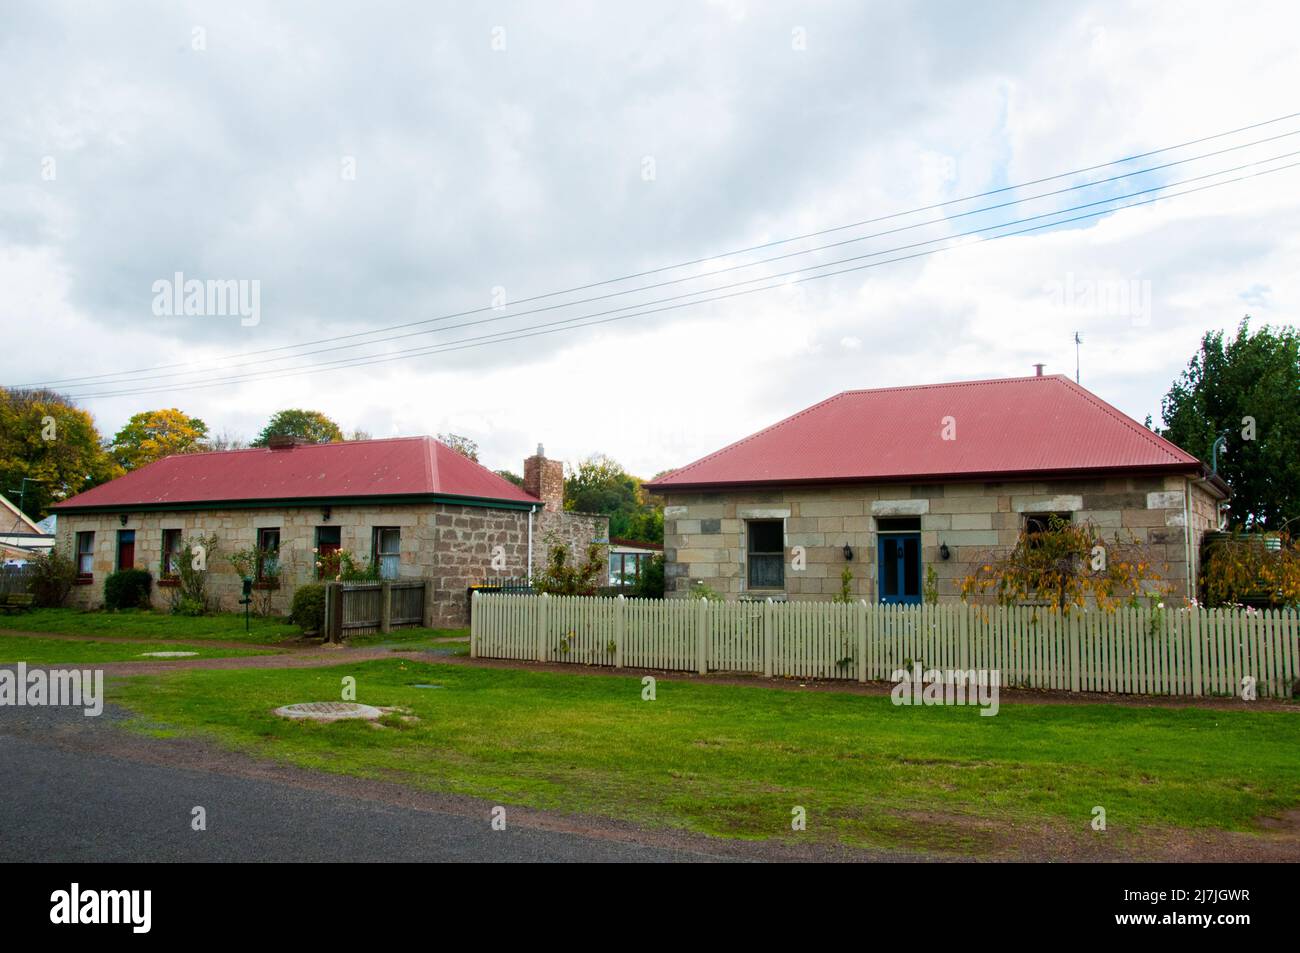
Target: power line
point(501, 337)
point(531, 311)
point(108, 377)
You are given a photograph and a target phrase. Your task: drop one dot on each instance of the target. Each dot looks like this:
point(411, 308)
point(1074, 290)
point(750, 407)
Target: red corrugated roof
point(357, 468)
point(1012, 426)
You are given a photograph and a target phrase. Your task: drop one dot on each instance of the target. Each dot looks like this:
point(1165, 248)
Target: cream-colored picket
point(1149, 651)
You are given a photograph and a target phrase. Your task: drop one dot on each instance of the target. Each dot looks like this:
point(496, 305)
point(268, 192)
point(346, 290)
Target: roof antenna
point(1077, 341)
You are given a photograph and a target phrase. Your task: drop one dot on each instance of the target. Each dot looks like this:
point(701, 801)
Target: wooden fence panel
point(1149, 651)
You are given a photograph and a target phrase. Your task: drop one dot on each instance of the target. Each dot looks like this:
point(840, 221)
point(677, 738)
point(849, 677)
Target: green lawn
point(415, 640)
point(224, 626)
point(36, 651)
point(143, 624)
point(734, 760)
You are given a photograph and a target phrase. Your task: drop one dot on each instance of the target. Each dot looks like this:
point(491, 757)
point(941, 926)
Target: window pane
point(767, 572)
point(766, 536)
point(889, 568)
point(911, 566)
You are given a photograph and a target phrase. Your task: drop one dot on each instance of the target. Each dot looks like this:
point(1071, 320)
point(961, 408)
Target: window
point(268, 555)
point(766, 554)
point(388, 550)
point(898, 524)
point(625, 568)
point(171, 548)
point(1036, 523)
point(125, 549)
point(85, 554)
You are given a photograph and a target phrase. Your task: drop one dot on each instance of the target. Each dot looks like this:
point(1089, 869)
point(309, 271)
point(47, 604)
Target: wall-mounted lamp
point(123, 518)
point(848, 551)
point(325, 514)
point(943, 551)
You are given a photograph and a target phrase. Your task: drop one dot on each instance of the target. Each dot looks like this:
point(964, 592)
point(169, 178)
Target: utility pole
point(1077, 341)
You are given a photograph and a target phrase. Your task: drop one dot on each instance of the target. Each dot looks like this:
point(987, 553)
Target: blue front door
point(899, 557)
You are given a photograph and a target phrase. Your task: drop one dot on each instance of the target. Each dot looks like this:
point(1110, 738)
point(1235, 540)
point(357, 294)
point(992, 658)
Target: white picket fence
point(1143, 651)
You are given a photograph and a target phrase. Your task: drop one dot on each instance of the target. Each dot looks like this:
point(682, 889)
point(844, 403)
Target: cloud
point(523, 169)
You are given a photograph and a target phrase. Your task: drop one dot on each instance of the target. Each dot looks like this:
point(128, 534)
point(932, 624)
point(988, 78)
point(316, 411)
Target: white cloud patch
point(523, 169)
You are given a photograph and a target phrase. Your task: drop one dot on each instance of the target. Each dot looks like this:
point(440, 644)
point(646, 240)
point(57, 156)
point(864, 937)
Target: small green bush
point(308, 608)
point(127, 589)
point(650, 585)
point(184, 605)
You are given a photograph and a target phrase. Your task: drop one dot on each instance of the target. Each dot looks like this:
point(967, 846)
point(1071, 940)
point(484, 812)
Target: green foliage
point(563, 578)
point(308, 608)
point(127, 589)
point(930, 588)
point(309, 425)
point(1251, 375)
point(191, 597)
point(650, 584)
point(601, 485)
point(513, 477)
point(52, 578)
point(154, 434)
point(845, 595)
point(52, 443)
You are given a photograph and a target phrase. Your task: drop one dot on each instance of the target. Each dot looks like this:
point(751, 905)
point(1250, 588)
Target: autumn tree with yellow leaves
point(1065, 565)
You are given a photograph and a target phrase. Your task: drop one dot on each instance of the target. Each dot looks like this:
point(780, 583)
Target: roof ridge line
point(1154, 438)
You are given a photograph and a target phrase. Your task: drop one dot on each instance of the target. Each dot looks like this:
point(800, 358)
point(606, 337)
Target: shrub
point(127, 589)
point(184, 605)
point(650, 584)
point(308, 609)
point(52, 578)
point(562, 578)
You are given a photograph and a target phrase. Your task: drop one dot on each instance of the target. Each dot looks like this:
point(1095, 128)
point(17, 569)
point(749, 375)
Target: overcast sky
point(370, 165)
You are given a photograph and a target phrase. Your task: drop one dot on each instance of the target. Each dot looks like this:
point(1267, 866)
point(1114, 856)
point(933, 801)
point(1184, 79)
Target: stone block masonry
point(705, 533)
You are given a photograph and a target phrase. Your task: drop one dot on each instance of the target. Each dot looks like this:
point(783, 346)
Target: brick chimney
point(544, 479)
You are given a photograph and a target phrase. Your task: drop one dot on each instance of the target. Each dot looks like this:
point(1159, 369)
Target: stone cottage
point(412, 505)
point(898, 481)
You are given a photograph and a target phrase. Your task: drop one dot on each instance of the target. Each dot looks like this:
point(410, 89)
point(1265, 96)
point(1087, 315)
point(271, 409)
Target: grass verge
point(735, 761)
point(38, 651)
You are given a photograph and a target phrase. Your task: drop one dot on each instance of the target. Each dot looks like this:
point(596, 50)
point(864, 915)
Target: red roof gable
point(1021, 426)
point(405, 466)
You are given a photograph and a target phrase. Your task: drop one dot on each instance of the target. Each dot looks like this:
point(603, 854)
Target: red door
point(126, 549)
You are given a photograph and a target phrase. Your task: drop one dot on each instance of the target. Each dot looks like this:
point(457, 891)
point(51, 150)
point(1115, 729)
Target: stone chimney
point(544, 479)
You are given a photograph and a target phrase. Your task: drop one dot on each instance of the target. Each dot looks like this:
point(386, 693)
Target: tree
point(309, 425)
point(462, 445)
point(154, 434)
point(1064, 564)
point(51, 445)
point(514, 478)
point(599, 484)
point(1246, 569)
point(1247, 389)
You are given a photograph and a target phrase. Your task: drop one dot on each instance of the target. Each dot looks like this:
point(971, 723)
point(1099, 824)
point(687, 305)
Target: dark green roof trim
point(302, 502)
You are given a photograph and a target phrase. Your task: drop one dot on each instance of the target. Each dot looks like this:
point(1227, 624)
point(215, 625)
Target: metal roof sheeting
point(1020, 426)
point(359, 468)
